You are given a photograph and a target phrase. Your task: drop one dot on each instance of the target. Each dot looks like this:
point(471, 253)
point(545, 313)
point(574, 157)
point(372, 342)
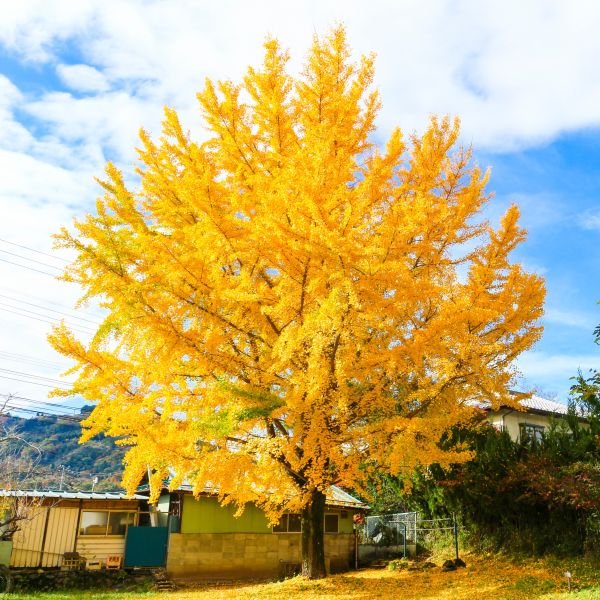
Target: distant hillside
point(62, 455)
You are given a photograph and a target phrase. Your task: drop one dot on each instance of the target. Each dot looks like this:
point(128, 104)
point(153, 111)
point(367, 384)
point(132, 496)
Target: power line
point(38, 411)
point(31, 359)
point(38, 262)
point(33, 250)
point(38, 362)
point(50, 322)
point(28, 382)
point(29, 405)
point(50, 317)
point(15, 402)
point(33, 375)
point(32, 402)
point(73, 472)
point(25, 407)
point(71, 316)
point(30, 411)
point(20, 293)
point(25, 398)
point(30, 268)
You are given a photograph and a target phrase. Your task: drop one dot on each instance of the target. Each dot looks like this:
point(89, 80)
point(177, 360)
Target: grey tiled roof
point(541, 404)
point(534, 403)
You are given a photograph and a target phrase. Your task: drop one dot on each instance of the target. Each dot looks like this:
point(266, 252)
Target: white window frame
point(135, 514)
point(327, 514)
point(287, 523)
point(533, 432)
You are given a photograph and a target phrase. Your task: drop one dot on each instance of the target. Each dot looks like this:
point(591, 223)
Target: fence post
point(455, 528)
point(404, 544)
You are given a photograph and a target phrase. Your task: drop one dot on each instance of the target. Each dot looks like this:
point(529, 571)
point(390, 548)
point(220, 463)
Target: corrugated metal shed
point(51, 528)
point(338, 497)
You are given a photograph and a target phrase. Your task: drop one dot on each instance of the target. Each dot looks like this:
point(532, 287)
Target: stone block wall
point(247, 555)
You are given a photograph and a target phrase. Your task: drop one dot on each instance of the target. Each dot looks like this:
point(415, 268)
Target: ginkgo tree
point(289, 305)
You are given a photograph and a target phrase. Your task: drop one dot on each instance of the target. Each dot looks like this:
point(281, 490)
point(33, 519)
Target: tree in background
point(532, 496)
point(585, 393)
point(290, 307)
point(19, 463)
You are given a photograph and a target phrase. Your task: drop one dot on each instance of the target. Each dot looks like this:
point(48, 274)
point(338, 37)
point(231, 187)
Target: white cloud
point(590, 220)
point(34, 203)
point(11, 132)
point(82, 78)
point(9, 93)
point(27, 181)
point(569, 318)
point(31, 28)
point(108, 121)
point(517, 73)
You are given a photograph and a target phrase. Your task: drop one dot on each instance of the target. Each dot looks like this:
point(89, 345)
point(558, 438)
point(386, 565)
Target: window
point(529, 432)
point(292, 523)
point(289, 523)
point(331, 523)
point(105, 522)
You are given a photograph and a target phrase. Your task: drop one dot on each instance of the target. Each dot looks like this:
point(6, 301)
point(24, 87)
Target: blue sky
point(78, 79)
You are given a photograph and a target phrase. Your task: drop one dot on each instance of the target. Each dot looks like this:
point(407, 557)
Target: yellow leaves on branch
point(290, 306)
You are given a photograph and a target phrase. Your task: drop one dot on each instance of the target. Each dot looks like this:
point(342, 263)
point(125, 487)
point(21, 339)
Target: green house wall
point(345, 523)
point(206, 515)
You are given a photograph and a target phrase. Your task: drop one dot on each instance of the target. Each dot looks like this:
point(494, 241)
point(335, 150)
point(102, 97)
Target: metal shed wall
point(27, 541)
point(60, 535)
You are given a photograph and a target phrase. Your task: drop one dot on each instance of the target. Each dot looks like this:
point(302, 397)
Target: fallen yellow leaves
point(483, 578)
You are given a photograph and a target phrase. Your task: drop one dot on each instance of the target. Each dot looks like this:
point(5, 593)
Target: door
point(146, 547)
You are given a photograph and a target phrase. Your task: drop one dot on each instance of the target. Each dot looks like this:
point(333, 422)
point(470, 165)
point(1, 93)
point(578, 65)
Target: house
point(95, 525)
point(192, 537)
point(531, 422)
point(207, 540)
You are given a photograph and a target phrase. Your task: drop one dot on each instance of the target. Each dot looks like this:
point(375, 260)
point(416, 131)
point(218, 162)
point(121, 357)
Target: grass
point(485, 577)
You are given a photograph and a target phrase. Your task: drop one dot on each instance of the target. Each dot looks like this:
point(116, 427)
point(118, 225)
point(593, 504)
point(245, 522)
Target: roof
point(543, 405)
point(338, 497)
point(70, 495)
point(533, 404)
point(335, 496)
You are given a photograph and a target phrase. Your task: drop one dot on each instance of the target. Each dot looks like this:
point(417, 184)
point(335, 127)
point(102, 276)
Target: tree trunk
point(313, 539)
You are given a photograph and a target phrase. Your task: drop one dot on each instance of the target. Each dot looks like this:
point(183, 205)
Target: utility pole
point(94, 482)
point(62, 477)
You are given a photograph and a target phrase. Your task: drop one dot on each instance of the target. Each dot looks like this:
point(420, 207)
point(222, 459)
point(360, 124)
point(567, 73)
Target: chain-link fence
point(391, 529)
point(437, 534)
point(399, 534)
point(384, 536)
